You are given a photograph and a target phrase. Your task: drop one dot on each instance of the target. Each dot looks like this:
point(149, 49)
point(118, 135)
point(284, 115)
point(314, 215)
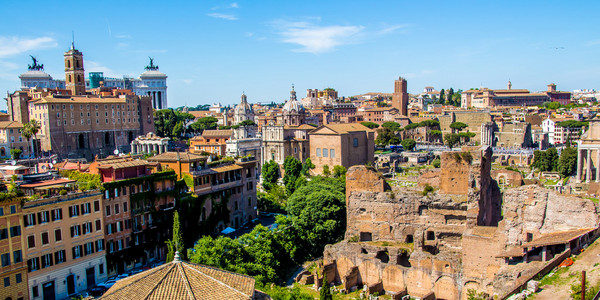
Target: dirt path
point(559, 285)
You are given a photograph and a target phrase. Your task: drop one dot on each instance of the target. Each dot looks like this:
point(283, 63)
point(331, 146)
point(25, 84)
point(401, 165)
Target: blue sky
point(212, 51)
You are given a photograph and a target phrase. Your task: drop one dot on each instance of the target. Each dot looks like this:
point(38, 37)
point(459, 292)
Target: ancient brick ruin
point(459, 237)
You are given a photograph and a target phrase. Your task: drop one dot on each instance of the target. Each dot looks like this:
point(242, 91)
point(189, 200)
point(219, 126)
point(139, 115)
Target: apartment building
point(211, 141)
point(13, 270)
point(137, 204)
point(64, 242)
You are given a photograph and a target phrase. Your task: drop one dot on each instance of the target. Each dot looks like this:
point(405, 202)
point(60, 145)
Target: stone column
point(133, 148)
point(545, 253)
point(579, 164)
point(588, 169)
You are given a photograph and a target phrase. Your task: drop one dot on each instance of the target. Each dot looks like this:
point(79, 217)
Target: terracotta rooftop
point(217, 132)
point(62, 181)
point(226, 168)
point(556, 238)
point(175, 156)
point(10, 124)
point(344, 128)
point(183, 280)
point(122, 164)
point(82, 99)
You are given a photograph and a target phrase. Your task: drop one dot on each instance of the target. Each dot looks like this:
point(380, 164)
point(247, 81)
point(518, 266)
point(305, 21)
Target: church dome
point(293, 105)
point(243, 108)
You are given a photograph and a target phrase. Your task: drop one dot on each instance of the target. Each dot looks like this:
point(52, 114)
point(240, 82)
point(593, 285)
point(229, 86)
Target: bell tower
point(74, 72)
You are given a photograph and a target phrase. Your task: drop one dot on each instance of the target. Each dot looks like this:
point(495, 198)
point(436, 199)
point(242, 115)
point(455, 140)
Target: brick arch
point(469, 285)
point(445, 288)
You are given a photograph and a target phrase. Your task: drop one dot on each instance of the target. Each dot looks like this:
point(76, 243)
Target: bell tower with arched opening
point(74, 72)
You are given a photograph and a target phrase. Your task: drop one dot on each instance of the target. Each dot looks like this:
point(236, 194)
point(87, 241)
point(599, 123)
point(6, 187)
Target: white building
point(150, 83)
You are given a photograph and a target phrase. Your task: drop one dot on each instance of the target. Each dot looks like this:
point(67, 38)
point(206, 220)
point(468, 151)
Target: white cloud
point(391, 28)
point(223, 16)
point(234, 5)
point(187, 81)
point(12, 45)
point(318, 39)
point(123, 36)
point(249, 34)
point(93, 66)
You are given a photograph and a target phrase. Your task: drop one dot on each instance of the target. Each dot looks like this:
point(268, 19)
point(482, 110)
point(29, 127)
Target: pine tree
point(325, 293)
point(176, 244)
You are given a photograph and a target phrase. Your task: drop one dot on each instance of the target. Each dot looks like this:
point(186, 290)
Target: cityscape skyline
point(355, 48)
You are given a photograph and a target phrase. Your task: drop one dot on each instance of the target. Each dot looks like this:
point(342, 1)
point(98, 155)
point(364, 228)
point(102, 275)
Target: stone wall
point(443, 244)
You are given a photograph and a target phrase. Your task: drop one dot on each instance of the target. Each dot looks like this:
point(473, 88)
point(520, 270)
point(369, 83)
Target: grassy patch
point(557, 277)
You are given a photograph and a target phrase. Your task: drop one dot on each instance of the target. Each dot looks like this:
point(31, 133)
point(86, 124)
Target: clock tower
point(74, 73)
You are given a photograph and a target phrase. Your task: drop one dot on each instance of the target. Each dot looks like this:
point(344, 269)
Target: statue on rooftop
point(35, 66)
point(151, 66)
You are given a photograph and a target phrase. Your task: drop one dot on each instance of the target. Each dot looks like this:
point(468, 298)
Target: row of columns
point(588, 164)
point(147, 148)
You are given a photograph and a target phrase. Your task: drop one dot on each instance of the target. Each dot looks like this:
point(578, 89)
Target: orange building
point(211, 141)
point(341, 144)
point(65, 244)
point(13, 271)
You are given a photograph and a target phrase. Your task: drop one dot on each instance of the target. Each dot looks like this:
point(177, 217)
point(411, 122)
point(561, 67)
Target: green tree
point(177, 243)
point(317, 212)
point(339, 171)
point(567, 161)
point(408, 144)
point(292, 168)
point(270, 174)
point(370, 125)
point(386, 136)
point(31, 129)
point(451, 139)
point(442, 97)
point(545, 161)
point(458, 126)
point(429, 123)
point(16, 153)
point(177, 130)
point(307, 166)
point(326, 171)
point(325, 293)
point(247, 123)
point(391, 125)
point(205, 123)
point(436, 163)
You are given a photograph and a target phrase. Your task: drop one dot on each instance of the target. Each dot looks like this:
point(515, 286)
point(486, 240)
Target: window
point(31, 241)
point(86, 208)
point(75, 230)
point(318, 152)
point(98, 225)
point(124, 206)
point(17, 256)
point(119, 226)
point(57, 235)
point(325, 152)
point(45, 238)
point(3, 233)
point(5, 259)
point(35, 292)
point(33, 264)
point(43, 217)
point(99, 245)
point(18, 278)
point(74, 211)
point(332, 153)
point(47, 260)
point(29, 220)
point(355, 142)
point(6, 281)
point(89, 248)
point(87, 228)
point(249, 201)
point(116, 208)
point(59, 256)
point(13, 209)
point(57, 214)
point(1, 211)
point(101, 268)
point(108, 210)
point(77, 251)
point(15, 231)
point(96, 206)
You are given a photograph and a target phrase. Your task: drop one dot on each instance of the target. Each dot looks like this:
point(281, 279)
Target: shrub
point(62, 192)
point(427, 189)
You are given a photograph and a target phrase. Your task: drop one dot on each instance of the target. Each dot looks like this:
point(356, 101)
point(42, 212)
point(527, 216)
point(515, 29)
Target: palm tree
point(30, 129)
